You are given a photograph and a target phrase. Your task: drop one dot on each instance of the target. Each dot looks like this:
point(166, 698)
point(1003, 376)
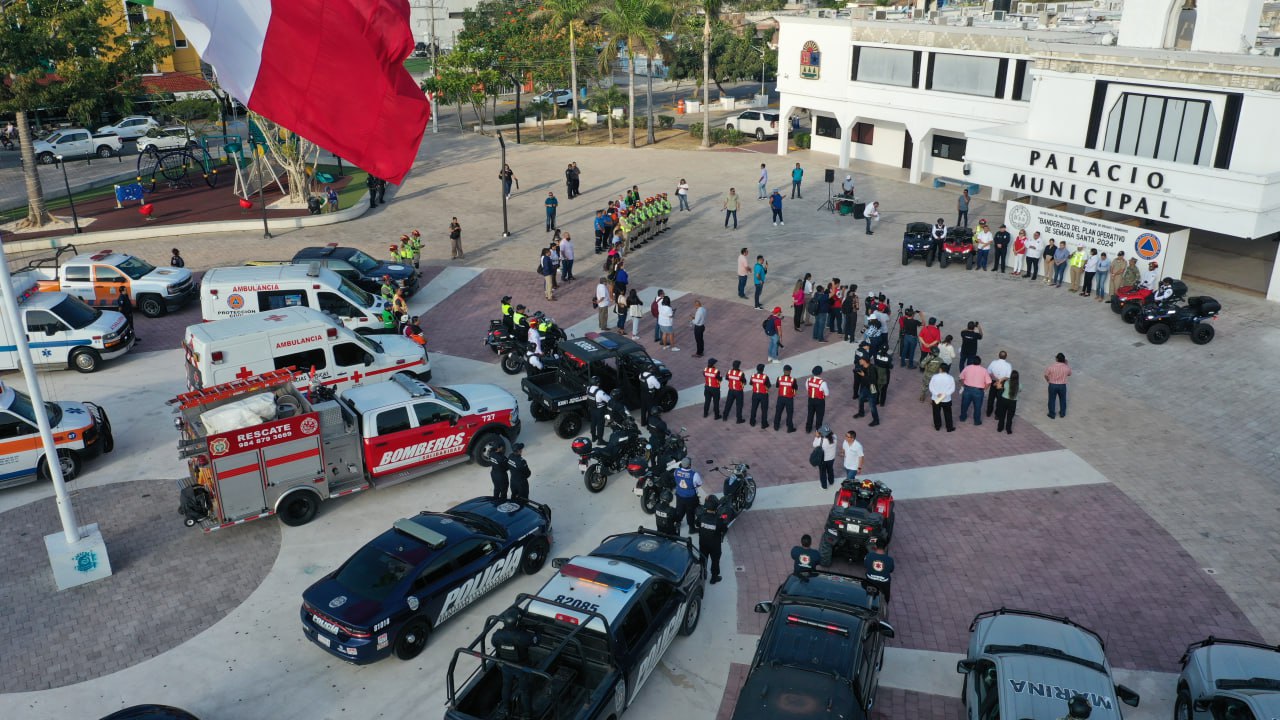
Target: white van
point(233, 291)
point(62, 329)
point(240, 347)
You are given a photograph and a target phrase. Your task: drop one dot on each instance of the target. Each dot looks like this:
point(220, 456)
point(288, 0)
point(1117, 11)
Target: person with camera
point(909, 325)
point(969, 338)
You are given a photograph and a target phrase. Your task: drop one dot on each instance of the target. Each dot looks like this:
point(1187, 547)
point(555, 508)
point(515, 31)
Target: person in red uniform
point(760, 397)
point(711, 388)
point(786, 400)
point(737, 381)
point(816, 389)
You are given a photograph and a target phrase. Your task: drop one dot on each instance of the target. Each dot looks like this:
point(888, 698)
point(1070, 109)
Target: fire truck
point(257, 447)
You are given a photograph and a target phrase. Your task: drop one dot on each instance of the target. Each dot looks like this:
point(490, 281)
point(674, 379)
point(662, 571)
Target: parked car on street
point(131, 127)
point(755, 122)
point(1228, 679)
point(74, 143)
point(559, 96)
point(168, 138)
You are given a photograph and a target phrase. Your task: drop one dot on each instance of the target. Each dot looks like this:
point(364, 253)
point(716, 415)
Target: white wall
point(886, 148)
point(1226, 26)
point(1143, 23)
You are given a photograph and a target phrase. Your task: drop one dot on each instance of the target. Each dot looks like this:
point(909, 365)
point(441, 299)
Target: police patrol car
point(80, 431)
point(1024, 664)
point(602, 623)
point(1229, 680)
point(390, 595)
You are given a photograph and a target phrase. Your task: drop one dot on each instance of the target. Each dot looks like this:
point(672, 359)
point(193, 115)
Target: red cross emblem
point(355, 377)
point(877, 565)
point(244, 374)
point(275, 318)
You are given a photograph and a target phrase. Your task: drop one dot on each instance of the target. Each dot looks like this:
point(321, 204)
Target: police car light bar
point(599, 578)
point(797, 620)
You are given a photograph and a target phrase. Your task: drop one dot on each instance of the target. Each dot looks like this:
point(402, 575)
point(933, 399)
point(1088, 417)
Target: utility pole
point(434, 46)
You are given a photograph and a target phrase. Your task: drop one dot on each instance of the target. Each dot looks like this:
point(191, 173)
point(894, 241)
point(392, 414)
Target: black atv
point(1191, 319)
point(1132, 311)
point(918, 242)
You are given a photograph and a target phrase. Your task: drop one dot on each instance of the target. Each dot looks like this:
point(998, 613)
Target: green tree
point(569, 13)
point(59, 53)
point(193, 114)
point(455, 83)
point(628, 23)
point(541, 108)
point(604, 101)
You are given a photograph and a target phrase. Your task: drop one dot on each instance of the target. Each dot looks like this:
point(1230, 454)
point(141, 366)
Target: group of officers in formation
point(631, 221)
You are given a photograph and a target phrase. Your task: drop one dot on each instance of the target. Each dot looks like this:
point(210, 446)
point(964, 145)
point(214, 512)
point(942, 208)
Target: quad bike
point(917, 242)
point(1190, 319)
point(957, 247)
point(1130, 299)
point(863, 510)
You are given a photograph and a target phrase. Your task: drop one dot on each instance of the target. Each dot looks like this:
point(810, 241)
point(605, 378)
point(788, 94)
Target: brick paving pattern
point(1086, 552)
point(170, 583)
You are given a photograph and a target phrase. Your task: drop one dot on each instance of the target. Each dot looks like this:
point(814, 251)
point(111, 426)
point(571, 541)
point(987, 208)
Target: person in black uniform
point(498, 471)
point(687, 483)
point(863, 351)
point(883, 362)
point(711, 529)
point(124, 305)
point(649, 386)
point(878, 567)
point(519, 472)
point(511, 643)
point(760, 385)
point(600, 403)
point(711, 378)
point(665, 514)
point(803, 558)
point(737, 381)
point(1000, 252)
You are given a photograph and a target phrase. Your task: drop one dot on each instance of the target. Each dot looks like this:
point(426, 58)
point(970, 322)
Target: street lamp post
point(262, 192)
point(75, 219)
point(506, 231)
point(764, 63)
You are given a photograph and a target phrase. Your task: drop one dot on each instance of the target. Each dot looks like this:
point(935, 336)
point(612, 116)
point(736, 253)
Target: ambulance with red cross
point(316, 344)
point(257, 446)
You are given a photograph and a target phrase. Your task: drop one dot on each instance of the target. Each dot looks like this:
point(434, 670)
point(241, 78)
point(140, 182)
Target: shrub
point(725, 136)
point(578, 124)
point(666, 121)
point(804, 140)
point(642, 122)
point(695, 129)
point(509, 117)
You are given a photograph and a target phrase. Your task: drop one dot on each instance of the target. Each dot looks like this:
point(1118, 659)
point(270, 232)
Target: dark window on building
point(1022, 81)
point(824, 126)
point(949, 148)
point(1162, 128)
point(864, 133)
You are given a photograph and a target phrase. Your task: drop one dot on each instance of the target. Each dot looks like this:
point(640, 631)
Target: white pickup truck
point(99, 279)
point(74, 142)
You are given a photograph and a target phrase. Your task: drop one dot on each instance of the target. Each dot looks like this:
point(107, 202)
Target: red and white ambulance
point(257, 446)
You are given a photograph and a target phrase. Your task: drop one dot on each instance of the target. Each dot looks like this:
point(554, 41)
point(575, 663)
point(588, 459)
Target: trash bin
point(680, 107)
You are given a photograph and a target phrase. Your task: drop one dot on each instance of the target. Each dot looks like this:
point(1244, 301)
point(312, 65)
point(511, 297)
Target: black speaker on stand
point(830, 176)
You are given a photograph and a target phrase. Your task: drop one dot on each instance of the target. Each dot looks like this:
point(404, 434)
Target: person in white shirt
point(1090, 269)
point(941, 388)
point(999, 371)
point(1034, 249)
point(666, 323)
point(1150, 278)
point(682, 194)
point(535, 337)
point(602, 303)
point(853, 455)
point(566, 258)
point(764, 181)
point(872, 214)
point(982, 244)
point(847, 186)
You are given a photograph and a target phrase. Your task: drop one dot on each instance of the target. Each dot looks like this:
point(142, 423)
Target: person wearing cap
point(846, 187)
point(511, 643)
point(415, 244)
point(773, 330)
point(786, 400)
point(737, 382)
point(1076, 262)
point(1000, 249)
point(394, 250)
point(1118, 266)
point(519, 473)
point(687, 481)
point(962, 209)
point(825, 441)
point(649, 387)
point(388, 289)
point(711, 388)
point(1061, 257)
point(931, 365)
point(817, 390)
point(868, 390)
point(711, 530)
point(498, 471)
point(982, 241)
point(760, 385)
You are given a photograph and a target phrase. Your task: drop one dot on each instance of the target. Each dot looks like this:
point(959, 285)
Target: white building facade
point(1172, 128)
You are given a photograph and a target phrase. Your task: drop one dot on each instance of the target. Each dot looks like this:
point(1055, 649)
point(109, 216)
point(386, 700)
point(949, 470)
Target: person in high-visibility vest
point(760, 397)
point(507, 309)
point(405, 253)
point(388, 289)
point(711, 388)
point(816, 389)
point(786, 400)
point(394, 249)
point(415, 244)
point(736, 379)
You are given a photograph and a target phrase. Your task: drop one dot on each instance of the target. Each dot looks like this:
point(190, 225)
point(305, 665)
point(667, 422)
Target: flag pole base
point(78, 563)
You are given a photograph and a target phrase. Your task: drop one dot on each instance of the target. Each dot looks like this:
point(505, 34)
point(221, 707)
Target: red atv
point(1130, 299)
point(957, 247)
point(863, 510)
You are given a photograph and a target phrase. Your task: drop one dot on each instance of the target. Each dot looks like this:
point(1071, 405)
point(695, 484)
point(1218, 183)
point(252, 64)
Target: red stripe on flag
point(333, 72)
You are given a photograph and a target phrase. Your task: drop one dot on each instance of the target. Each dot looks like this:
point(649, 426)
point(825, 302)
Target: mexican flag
point(330, 70)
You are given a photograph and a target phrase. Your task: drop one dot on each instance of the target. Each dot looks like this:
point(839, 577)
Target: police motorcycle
point(739, 487)
point(515, 349)
point(598, 462)
point(653, 472)
point(863, 509)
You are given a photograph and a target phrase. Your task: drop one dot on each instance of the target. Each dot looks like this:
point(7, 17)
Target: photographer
point(969, 338)
point(909, 325)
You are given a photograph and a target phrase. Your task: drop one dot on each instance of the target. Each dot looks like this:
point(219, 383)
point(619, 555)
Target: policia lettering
point(481, 583)
point(1134, 203)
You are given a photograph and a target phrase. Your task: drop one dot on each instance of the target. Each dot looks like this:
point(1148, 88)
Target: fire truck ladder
point(231, 389)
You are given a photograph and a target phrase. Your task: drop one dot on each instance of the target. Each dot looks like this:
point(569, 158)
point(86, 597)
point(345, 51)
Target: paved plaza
point(1148, 514)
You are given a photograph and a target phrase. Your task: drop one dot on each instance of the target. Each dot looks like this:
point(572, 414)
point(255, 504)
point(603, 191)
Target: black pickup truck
point(598, 629)
point(560, 393)
point(821, 651)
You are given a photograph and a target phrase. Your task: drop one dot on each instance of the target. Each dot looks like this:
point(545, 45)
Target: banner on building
point(1108, 237)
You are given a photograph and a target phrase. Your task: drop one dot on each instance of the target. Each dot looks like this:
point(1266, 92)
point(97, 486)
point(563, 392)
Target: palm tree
point(603, 101)
point(628, 22)
point(662, 19)
point(569, 12)
point(541, 108)
point(710, 10)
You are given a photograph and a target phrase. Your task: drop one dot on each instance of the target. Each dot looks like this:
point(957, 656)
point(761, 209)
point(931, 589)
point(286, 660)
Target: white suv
point(559, 96)
point(166, 139)
point(130, 128)
point(755, 122)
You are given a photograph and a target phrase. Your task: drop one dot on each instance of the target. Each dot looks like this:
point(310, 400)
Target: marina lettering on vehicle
point(423, 450)
point(481, 583)
point(1046, 690)
point(655, 652)
point(299, 341)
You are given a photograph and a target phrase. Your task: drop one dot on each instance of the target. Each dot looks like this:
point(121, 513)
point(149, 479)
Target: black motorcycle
point(598, 462)
point(863, 509)
point(739, 492)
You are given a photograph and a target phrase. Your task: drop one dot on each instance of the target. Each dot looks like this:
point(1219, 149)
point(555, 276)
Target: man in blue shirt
point(775, 204)
point(602, 231)
point(759, 273)
point(687, 483)
point(551, 203)
point(796, 176)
